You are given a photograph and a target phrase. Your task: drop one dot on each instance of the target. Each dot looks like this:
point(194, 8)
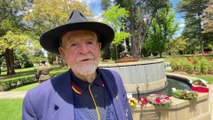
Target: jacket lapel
point(113, 89)
point(63, 98)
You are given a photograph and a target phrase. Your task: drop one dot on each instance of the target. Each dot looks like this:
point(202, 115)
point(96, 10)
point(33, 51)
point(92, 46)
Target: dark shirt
point(83, 98)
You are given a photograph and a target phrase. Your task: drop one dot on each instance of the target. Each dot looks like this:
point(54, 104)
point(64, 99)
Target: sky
point(94, 5)
point(96, 9)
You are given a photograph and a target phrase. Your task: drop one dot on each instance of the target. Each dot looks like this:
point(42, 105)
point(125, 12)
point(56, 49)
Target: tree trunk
point(161, 54)
point(139, 44)
point(143, 31)
point(9, 61)
point(116, 51)
point(200, 36)
point(132, 32)
point(0, 70)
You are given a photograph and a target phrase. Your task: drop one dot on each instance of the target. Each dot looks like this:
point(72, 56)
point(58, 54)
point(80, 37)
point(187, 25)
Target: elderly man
point(85, 92)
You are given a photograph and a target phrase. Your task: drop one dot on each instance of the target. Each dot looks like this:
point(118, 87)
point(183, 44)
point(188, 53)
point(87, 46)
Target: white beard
point(87, 68)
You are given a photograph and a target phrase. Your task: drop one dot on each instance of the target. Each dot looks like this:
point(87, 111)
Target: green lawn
point(208, 78)
point(10, 109)
point(26, 87)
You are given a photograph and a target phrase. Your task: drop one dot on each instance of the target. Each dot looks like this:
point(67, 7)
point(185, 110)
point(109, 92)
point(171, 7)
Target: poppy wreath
point(159, 100)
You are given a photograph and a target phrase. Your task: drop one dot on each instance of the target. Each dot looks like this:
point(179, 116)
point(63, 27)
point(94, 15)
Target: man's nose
point(84, 49)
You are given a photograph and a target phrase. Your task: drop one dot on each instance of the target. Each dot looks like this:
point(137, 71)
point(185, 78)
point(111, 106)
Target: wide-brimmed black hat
point(50, 39)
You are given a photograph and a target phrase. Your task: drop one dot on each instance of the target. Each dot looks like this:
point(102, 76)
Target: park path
point(9, 95)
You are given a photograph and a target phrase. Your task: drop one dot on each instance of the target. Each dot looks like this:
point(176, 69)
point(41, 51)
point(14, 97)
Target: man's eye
point(90, 42)
point(73, 45)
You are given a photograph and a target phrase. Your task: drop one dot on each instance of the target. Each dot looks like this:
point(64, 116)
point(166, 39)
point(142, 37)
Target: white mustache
point(88, 56)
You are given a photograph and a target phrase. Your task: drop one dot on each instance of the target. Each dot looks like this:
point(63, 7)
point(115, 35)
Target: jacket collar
point(62, 100)
point(79, 86)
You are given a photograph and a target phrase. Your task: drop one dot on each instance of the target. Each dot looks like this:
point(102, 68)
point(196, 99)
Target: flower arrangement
point(159, 100)
point(143, 101)
point(185, 94)
point(132, 102)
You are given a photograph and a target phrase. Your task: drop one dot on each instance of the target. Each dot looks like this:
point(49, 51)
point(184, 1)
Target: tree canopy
point(193, 10)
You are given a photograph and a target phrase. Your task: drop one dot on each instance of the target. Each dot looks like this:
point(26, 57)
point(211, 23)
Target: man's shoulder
point(46, 87)
point(109, 71)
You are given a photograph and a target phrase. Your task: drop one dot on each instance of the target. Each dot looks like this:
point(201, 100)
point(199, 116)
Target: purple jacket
point(53, 99)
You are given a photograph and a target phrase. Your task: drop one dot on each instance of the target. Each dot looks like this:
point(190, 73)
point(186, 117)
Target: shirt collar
point(79, 85)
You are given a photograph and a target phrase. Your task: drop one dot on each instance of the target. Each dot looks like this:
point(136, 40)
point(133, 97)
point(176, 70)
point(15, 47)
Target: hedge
point(10, 83)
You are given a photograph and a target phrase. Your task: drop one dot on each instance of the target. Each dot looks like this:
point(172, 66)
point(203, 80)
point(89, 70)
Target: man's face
point(81, 50)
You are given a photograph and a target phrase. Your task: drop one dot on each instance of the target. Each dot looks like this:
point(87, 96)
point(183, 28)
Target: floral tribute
point(185, 94)
point(198, 82)
point(200, 89)
point(199, 85)
point(143, 101)
point(159, 100)
point(132, 102)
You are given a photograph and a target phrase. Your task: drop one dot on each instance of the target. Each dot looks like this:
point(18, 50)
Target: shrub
point(188, 67)
point(174, 64)
point(23, 80)
point(203, 65)
point(210, 69)
point(15, 82)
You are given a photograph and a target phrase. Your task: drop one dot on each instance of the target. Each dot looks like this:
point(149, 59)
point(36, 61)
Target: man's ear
point(61, 51)
point(100, 45)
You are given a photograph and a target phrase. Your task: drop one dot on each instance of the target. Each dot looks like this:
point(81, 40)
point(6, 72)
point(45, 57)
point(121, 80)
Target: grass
point(25, 88)
point(28, 71)
point(10, 109)
point(208, 78)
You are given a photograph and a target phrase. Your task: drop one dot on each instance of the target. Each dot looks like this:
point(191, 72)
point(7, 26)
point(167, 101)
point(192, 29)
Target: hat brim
point(50, 39)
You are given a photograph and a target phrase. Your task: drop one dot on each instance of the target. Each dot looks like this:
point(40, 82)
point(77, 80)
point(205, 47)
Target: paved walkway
point(5, 95)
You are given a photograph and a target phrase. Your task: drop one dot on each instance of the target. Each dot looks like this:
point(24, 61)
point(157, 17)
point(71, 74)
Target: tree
point(176, 45)
point(140, 18)
point(115, 16)
point(191, 31)
point(162, 29)
point(105, 4)
point(194, 10)
point(9, 42)
point(11, 13)
point(1, 60)
point(208, 20)
point(47, 14)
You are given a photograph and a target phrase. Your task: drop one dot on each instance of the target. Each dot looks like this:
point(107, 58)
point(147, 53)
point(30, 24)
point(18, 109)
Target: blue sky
point(96, 9)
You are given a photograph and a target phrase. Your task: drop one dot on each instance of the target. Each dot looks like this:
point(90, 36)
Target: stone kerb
point(147, 75)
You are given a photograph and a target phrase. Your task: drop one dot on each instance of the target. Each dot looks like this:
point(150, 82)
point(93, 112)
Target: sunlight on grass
point(208, 78)
point(26, 87)
point(10, 109)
